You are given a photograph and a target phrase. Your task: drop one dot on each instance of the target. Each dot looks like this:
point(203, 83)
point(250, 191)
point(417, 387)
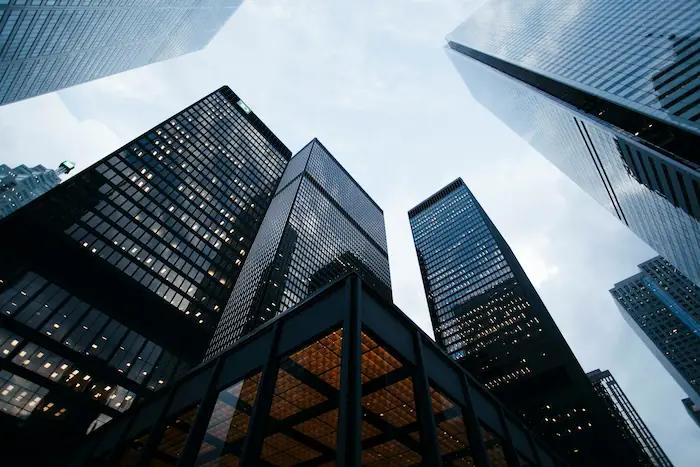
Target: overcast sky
point(372, 81)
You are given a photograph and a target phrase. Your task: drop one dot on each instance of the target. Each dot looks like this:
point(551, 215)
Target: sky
point(371, 80)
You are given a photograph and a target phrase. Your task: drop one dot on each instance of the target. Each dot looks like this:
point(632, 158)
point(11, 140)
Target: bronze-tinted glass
point(389, 427)
point(451, 431)
point(303, 419)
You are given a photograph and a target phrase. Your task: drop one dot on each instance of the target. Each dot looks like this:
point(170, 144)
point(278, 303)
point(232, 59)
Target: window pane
point(389, 429)
point(304, 414)
point(228, 424)
point(451, 431)
point(173, 441)
point(494, 448)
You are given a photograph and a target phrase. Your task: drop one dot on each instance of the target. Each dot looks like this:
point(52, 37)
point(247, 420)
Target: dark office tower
point(487, 315)
point(50, 45)
point(22, 184)
point(320, 225)
point(663, 308)
point(116, 278)
point(627, 418)
point(609, 92)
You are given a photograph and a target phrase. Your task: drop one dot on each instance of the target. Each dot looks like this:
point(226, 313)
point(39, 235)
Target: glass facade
point(640, 54)
point(320, 225)
point(335, 381)
point(607, 92)
point(22, 184)
point(487, 315)
point(663, 308)
point(47, 45)
point(628, 419)
point(116, 279)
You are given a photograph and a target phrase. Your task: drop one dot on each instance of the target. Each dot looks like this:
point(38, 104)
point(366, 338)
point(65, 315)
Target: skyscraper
point(320, 225)
point(50, 45)
point(22, 184)
point(663, 308)
point(487, 315)
point(115, 279)
point(609, 92)
point(627, 418)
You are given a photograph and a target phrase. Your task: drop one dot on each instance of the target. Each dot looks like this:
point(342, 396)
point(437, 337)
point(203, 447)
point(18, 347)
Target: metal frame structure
point(349, 353)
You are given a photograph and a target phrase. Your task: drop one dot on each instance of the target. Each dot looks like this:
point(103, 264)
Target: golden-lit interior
point(494, 448)
point(304, 413)
point(451, 431)
point(173, 441)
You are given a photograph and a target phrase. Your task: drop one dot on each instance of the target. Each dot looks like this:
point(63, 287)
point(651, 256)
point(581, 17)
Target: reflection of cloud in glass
point(614, 49)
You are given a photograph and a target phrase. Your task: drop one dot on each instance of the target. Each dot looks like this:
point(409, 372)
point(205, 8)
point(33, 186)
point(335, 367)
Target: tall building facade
point(115, 279)
point(663, 307)
point(22, 184)
point(628, 419)
point(609, 92)
point(47, 45)
point(320, 225)
point(487, 315)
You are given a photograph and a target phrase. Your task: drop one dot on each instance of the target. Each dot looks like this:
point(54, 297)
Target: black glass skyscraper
point(487, 315)
point(627, 418)
point(609, 92)
point(47, 45)
point(320, 225)
point(663, 307)
point(114, 281)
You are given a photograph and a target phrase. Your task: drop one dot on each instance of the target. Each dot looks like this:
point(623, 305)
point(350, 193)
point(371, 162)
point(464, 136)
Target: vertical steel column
point(424, 409)
point(201, 420)
point(509, 447)
point(349, 439)
point(263, 401)
point(156, 430)
point(476, 439)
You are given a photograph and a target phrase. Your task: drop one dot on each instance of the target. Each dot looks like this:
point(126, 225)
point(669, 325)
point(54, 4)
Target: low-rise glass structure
point(343, 378)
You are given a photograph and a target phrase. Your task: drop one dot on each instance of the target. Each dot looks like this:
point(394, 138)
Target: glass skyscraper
point(609, 92)
point(487, 315)
point(113, 282)
point(320, 225)
point(627, 418)
point(22, 184)
point(663, 308)
point(47, 45)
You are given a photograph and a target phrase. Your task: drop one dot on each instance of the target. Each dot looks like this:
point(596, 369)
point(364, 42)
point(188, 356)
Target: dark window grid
point(457, 271)
point(483, 285)
point(227, 132)
point(147, 208)
point(108, 243)
point(125, 263)
point(486, 317)
point(20, 293)
point(461, 283)
point(64, 372)
point(468, 278)
point(446, 227)
point(443, 271)
point(59, 310)
point(442, 247)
